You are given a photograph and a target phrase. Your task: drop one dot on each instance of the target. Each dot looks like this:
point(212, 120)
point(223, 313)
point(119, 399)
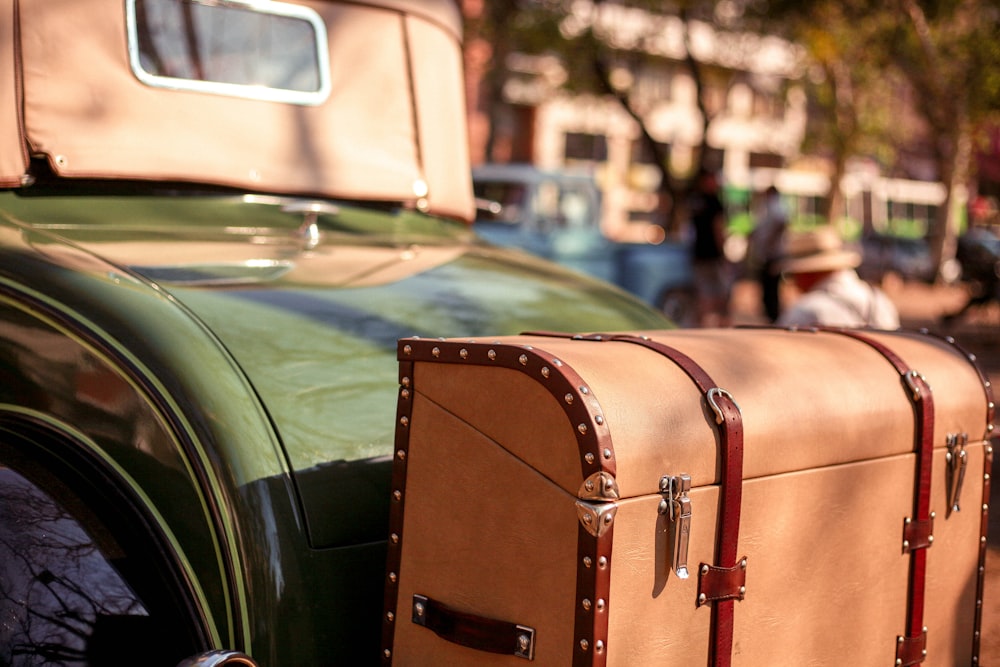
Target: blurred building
point(754, 97)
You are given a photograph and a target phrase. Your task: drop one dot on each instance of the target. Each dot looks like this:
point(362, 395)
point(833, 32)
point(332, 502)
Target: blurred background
point(880, 118)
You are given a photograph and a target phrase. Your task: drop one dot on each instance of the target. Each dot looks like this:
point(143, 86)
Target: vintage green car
point(217, 218)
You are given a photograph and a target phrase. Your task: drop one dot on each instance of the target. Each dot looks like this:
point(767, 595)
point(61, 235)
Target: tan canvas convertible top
point(388, 125)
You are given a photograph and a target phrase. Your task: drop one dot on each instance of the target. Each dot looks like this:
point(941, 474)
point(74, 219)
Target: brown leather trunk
point(826, 491)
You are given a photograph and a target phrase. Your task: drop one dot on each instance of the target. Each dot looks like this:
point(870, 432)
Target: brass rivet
point(492, 354)
point(702, 598)
point(602, 562)
point(407, 349)
point(587, 519)
point(523, 360)
point(401, 454)
point(586, 604)
point(392, 577)
point(933, 515)
point(584, 644)
point(607, 519)
point(584, 391)
point(600, 604)
point(404, 421)
point(557, 362)
point(387, 653)
point(743, 563)
point(405, 394)
point(589, 457)
point(463, 353)
point(704, 569)
point(599, 646)
point(906, 544)
point(568, 398)
point(523, 643)
point(589, 485)
point(607, 453)
point(395, 538)
point(545, 371)
point(405, 382)
point(907, 521)
point(436, 351)
point(599, 419)
point(930, 538)
point(397, 495)
point(900, 640)
point(582, 428)
point(389, 616)
point(743, 590)
point(419, 609)
point(587, 562)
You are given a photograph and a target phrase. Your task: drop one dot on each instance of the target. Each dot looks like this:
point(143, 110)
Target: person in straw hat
point(832, 292)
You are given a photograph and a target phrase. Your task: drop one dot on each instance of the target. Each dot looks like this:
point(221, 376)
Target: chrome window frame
point(266, 94)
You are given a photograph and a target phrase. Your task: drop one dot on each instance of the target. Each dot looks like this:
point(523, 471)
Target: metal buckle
point(719, 391)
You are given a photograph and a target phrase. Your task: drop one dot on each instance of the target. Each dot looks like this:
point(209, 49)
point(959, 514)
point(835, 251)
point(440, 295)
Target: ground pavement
point(922, 306)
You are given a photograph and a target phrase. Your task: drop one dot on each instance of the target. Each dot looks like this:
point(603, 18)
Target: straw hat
point(817, 250)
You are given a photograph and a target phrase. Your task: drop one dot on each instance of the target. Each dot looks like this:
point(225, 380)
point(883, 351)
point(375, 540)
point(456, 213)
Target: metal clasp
point(677, 506)
point(957, 459)
point(719, 391)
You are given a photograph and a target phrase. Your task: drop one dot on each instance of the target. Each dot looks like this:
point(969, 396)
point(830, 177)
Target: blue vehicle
point(556, 215)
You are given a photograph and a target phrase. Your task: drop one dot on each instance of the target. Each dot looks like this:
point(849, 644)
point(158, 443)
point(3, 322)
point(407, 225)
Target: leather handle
point(470, 630)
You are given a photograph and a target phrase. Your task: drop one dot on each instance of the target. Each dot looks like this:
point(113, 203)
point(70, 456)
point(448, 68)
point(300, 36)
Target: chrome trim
point(266, 94)
point(219, 659)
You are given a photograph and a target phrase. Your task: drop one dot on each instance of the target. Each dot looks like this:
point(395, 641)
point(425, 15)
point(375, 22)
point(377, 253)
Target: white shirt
point(843, 300)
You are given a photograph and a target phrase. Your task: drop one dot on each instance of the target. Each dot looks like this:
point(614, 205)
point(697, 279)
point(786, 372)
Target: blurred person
point(832, 293)
point(766, 243)
point(708, 221)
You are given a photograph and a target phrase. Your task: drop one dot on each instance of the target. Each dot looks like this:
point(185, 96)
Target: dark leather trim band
point(987, 470)
point(729, 423)
point(911, 650)
point(920, 395)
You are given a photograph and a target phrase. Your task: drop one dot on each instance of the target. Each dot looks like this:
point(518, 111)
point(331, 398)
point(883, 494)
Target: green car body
point(244, 402)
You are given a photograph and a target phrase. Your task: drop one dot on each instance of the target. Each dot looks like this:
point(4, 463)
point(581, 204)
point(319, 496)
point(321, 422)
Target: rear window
point(267, 51)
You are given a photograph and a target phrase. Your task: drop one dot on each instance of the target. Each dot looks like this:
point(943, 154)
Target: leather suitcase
point(760, 497)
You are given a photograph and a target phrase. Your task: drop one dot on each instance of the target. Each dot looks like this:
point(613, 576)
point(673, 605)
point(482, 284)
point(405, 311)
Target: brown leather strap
point(919, 526)
point(477, 632)
point(987, 470)
point(725, 580)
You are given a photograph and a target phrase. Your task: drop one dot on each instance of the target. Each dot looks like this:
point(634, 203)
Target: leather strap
point(477, 632)
point(725, 580)
point(919, 527)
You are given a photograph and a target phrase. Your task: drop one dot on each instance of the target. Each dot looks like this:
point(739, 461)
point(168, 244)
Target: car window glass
point(272, 51)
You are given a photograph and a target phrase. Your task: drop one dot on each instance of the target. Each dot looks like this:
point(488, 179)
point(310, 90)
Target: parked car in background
point(904, 257)
point(211, 239)
point(557, 215)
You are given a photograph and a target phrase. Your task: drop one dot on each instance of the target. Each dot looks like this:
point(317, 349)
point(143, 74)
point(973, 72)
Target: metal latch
point(957, 459)
point(677, 506)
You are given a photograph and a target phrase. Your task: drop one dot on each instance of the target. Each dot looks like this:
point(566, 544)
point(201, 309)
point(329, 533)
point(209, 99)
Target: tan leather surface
point(512, 409)
point(952, 562)
point(829, 481)
point(795, 390)
point(362, 143)
point(485, 534)
point(12, 158)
